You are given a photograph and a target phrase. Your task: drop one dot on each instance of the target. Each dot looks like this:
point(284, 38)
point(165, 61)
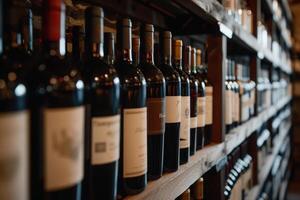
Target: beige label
point(173, 109)
point(63, 149)
point(201, 111)
point(156, 116)
point(135, 142)
point(194, 122)
point(209, 105)
point(14, 143)
point(244, 107)
point(105, 139)
point(185, 122)
point(228, 107)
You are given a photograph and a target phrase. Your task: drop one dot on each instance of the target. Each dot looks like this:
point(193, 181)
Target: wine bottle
point(173, 103)
point(133, 162)
point(58, 113)
point(228, 98)
point(197, 67)
point(136, 51)
point(236, 98)
point(197, 189)
point(193, 99)
point(208, 102)
point(185, 103)
point(14, 115)
point(156, 104)
point(186, 195)
point(104, 95)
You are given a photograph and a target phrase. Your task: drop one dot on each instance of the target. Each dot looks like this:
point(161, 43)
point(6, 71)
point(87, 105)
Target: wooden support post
point(217, 51)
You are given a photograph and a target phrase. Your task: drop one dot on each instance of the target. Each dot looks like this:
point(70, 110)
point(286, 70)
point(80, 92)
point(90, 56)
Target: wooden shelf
point(236, 136)
point(171, 185)
point(264, 173)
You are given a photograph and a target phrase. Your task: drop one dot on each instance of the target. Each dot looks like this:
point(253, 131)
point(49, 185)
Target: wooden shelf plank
point(171, 185)
point(236, 136)
point(263, 174)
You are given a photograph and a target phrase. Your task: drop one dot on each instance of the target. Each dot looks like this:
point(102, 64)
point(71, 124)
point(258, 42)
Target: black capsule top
point(109, 47)
point(187, 59)
point(124, 43)
point(147, 43)
point(94, 29)
point(166, 47)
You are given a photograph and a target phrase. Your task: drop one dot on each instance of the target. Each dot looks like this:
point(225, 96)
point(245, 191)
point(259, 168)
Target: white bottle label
point(135, 142)
point(63, 147)
point(228, 107)
point(185, 122)
point(209, 105)
point(14, 143)
point(173, 109)
point(194, 122)
point(201, 111)
point(105, 139)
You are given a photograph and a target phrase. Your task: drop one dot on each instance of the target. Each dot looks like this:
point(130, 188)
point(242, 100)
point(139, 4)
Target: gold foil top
point(198, 193)
point(198, 57)
point(186, 195)
point(177, 49)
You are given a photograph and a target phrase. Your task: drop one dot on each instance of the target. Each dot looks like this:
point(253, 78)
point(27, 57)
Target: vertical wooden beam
point(254, 6)
point(217, 52)
point(254, 68)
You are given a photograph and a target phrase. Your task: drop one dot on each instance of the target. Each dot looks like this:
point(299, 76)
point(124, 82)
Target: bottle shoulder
point(129, 74)
point(151, 73)
point(170, 74)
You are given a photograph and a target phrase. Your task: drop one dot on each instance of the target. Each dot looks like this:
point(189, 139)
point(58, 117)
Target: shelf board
point(236, 136)
point(171, 185)
point(264, 173)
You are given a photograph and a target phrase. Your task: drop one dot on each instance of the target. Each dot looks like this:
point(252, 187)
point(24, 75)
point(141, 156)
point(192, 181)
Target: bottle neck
point(124, 44)
point(187, 61)
point(178, 57)
point(109, 49)
point(54, 29)
point(166, 52)
point(147, 47)
point(193, 62)
point(94, 50)
point(27, 32)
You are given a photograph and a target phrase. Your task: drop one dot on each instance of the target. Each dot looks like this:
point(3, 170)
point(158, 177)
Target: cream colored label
point(193, 122)
point(228, 107)
point(173, 109)
point(209, 105)
point(63, 147)
point(245, 107)
point(135, 142)
point(185, 122)
point(14, 143)
point(201, 111)
point(105, 139)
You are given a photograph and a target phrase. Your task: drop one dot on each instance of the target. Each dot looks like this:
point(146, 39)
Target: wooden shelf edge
point(263, 174)
point(171, 185)
point(236, 136)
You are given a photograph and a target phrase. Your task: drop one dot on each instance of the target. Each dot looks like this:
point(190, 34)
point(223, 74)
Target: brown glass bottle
point(173, 103)
point(208, 102)
point(14, 115)
point(228, 98)
point(156, 103)
point(104, 100)
point(193, 98)
point(196, 71)
point(133, 156)
point(185, 103)
point(58, 114)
